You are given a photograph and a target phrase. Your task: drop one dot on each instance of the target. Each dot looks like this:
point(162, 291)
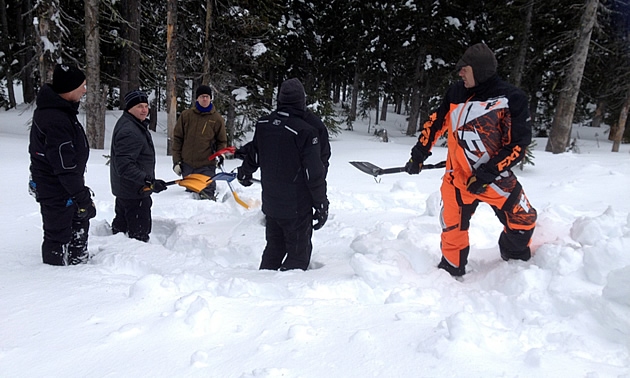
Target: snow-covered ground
point(191, 302)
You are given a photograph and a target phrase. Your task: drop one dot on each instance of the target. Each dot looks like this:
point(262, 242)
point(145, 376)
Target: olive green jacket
point(197, 136)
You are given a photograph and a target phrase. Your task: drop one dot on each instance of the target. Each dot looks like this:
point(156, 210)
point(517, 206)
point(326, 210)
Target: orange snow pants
point(512, 208)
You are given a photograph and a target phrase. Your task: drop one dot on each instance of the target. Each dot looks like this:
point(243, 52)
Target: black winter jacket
point(322, 131)
point(132, 158)
point(287, 151)
point(58, 147)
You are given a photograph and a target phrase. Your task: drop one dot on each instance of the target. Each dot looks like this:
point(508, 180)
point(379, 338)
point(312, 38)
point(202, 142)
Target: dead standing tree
point(95, 103)
point(561, 128)
point(171, 72)
point(48, 24)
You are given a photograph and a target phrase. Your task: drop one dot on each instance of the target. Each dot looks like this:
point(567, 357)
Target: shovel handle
point(385, 171)
point(146, 188)
point(227, 150)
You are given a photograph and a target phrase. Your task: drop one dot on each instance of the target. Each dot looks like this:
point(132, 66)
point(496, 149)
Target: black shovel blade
point(367, 167)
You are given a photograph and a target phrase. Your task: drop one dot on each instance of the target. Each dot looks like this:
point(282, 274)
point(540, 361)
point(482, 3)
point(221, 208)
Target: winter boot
point(451, 269)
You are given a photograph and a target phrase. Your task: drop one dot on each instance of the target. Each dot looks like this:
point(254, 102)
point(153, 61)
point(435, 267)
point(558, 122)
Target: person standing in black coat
point(59, 153)
point(132, 169)
point(287, 150)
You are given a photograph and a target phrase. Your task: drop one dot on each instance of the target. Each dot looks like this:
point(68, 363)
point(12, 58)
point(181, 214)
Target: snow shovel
point(376, 171)
point(194, 181)
point(227, 150)
point(228, 177)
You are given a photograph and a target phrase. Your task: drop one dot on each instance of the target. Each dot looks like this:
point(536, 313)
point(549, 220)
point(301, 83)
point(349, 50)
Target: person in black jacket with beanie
point(59, 153)
point(132, 169)
point(287, 150)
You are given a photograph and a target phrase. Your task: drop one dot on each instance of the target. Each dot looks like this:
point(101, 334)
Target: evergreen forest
point(356, 58)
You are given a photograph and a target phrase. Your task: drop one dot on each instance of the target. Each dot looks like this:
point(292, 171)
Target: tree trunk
point(206, 44)
point(171, 72)
point(231, 122)
point(95, 104)
point(49, 45)
point(25, 56)
point(8, 55)
point(600, 112)
point(621, 124)
point(519, 64)
point(561, 128)
point(376, 101)
point(412, 126)
point(384, 108)
point(130, 60)
point(153, 109)
point(355, 94)
point(336, 91)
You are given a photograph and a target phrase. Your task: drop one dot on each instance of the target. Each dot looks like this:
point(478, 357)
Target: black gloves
point(478, 182)
point(88, 211)
point(418, 156)
point(412, 167)
point(221, 159)
point(155, 185)
point(243, 178)
point(86, 208)
point(241, 152)
point(320, 215)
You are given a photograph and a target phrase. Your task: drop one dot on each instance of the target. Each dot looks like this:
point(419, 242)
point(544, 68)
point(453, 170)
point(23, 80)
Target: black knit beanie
point(292, 94)
point(482, 61)
point(135, 97)
point(67, 78)
point(203, 89)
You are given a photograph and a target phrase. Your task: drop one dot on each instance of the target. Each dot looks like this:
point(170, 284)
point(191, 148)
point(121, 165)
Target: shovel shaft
point(227, 150)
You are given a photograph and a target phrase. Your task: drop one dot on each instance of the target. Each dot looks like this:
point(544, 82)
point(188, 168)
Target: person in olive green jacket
point(199, 133)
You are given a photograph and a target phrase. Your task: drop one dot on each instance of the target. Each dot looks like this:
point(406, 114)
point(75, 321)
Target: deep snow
point(191, 302)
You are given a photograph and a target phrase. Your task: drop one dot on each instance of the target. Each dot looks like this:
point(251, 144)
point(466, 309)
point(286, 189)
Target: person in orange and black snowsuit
point(488, 126)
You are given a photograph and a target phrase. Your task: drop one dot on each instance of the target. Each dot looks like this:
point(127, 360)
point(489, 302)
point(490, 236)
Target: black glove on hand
point(418, 156)
point(86, 212)
point(412, 167)
point(478, 182)
point(86, 208)
point(243, 178)
point(220, 160)
point(241, 152)
point(320, 215)
point(156, 185)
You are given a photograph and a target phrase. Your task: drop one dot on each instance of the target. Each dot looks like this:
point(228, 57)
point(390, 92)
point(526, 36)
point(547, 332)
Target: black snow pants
point(290, 238)
point(133, 217)
point(65, 236)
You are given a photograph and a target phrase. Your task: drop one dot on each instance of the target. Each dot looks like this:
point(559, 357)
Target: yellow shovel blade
point(240, 201)
point(195, 182)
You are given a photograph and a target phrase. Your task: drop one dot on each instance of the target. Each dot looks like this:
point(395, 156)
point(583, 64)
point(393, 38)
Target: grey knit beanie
point(482, 61)
point(135, 97)
point(292, 94)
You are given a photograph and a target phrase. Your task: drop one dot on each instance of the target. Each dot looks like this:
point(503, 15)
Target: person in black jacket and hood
point(59, 153)
point(287, 150)
point(132, 169)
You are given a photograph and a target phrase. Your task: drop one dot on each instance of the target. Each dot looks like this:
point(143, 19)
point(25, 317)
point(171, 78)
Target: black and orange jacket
point(488, 124)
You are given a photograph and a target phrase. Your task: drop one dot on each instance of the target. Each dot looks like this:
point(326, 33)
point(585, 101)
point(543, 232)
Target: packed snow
point(193, 303)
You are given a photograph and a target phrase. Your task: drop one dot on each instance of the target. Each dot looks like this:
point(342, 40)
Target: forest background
point(355, 58)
